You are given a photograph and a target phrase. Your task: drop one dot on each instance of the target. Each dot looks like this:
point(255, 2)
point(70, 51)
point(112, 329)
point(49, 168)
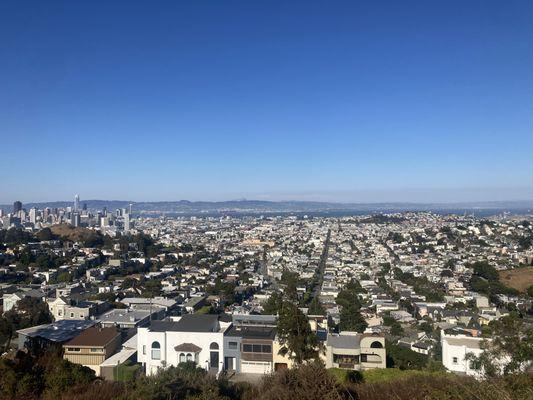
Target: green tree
point(351, 319)
point(485, 270)
point(404, 358)
point(152, 288)
point(350, 315)
point(29, 312)
point(273, 305)
point(316, 308)
point(295, 334)
point(63, 375)
point(509, 350)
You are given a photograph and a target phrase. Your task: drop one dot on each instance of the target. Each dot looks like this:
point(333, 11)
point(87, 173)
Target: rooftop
point(59, 332)
point(126, 315)
point(97, 337)
point(188, 323)
point(252, 332)
point(344, 341)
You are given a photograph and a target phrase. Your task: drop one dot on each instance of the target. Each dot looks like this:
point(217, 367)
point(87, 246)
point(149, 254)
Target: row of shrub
point(50, 377)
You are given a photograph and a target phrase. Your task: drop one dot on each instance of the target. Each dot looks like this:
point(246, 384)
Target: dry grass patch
point(519, 278)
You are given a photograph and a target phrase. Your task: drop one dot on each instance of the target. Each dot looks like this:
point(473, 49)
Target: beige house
point(351, 350)
point(281, 361)
point(64, 308)
point(91, 347)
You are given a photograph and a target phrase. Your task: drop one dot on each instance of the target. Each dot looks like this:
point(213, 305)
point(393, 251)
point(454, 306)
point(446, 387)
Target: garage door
point(249, 367)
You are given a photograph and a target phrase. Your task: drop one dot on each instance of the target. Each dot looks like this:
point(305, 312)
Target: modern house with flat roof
point(249, 348)
point(50, 335)
point(129, 318)
point(145, 303)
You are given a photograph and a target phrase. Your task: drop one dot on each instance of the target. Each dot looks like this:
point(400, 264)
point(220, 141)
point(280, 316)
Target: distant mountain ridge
point(191, 207)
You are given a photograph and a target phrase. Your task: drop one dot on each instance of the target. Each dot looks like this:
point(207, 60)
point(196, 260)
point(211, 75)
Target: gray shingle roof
point(187, 323)
point(344, 341)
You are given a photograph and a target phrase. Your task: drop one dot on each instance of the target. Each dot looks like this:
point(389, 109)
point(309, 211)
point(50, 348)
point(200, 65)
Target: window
point(257, 348)
point(96, 350)
point(364, 358)
point(144, 349)
point(232, 345)
point(182, 358)
point(73, 349)
point(214, 346)
point(71, 315)
point(156, 351)
point(376, 345)
point(347, 360)
point(455, 360)
point(189, 357)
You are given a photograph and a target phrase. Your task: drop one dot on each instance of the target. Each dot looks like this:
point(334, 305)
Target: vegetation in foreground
point(50, 377)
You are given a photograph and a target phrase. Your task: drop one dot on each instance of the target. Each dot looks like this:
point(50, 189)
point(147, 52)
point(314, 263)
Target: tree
point(316, 308)
point(426, 327)
point(29, 312)
point(404, 358)
point(45, 234)
point(307, 382)
point(350, 316)
point(152, 288)
point(351, 319)
point(509, 350)
point(63, 375)
point(446, 273)
point(295, 334)
point(484, 270)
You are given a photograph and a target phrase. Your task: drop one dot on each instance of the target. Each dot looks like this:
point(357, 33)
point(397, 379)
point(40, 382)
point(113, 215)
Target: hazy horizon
point(402, 196)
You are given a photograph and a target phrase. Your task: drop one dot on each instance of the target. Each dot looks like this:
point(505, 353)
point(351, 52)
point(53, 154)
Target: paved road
point(322, 265)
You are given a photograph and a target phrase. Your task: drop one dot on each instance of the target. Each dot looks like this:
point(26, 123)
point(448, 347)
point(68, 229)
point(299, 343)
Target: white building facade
point(196, 338)
point(455, 348)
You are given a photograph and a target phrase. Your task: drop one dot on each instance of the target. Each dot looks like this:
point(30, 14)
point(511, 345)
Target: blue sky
point(213, 100)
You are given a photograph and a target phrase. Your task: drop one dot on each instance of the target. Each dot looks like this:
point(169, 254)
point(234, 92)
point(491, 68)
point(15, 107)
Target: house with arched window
point(358, 351)
point(190, 338)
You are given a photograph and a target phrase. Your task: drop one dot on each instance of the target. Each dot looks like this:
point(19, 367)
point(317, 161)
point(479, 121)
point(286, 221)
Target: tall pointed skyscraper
point(77, 203)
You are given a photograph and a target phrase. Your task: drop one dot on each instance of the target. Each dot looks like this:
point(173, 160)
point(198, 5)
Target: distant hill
point(262, 206)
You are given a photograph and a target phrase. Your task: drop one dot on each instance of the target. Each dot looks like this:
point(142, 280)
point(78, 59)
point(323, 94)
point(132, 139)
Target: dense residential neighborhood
point(243, 297)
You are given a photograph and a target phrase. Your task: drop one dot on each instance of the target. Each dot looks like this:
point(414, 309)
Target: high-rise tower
point(17, 206)
point(77, 203)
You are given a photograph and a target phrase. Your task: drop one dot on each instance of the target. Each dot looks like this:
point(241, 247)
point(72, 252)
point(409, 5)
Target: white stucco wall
point(169, 340)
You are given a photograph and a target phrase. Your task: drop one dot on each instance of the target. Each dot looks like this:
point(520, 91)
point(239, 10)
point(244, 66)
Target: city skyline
point(348, 103)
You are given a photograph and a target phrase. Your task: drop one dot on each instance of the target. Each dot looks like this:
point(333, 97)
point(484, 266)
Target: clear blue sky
point(214, 100)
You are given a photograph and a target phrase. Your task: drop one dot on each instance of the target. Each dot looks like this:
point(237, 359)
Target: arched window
point(376, 345)
point(182, 357)
point(189, 357)
point(214, 346)
point(156, 351)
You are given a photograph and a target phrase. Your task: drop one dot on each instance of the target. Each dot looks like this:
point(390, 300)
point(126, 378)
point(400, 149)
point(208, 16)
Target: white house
point(455, 347)
point(192, 337)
